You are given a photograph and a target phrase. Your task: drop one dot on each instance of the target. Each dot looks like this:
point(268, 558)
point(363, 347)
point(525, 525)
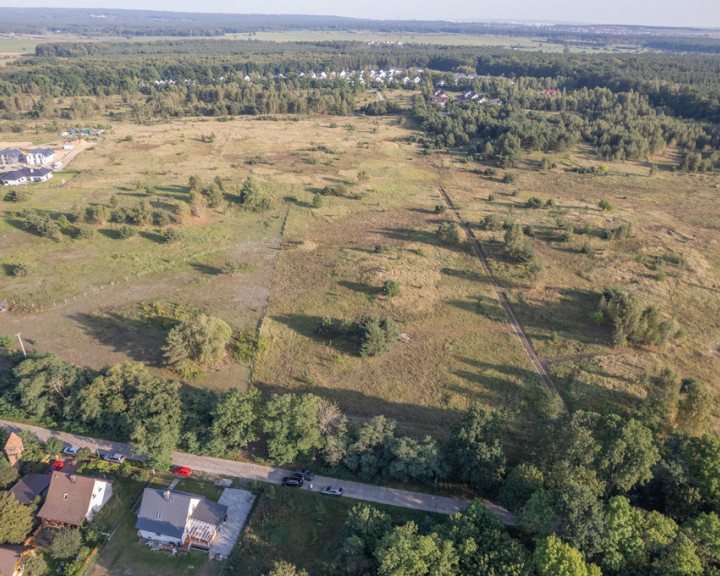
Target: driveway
point(272, 475)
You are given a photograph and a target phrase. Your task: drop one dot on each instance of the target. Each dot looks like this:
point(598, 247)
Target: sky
point(679, 13)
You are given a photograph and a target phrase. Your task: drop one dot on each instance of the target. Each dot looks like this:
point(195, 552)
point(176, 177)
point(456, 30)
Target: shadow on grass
point(360, 288)
point(206, 269)
point(110, 233)
point(152, 236)
point(140, 342)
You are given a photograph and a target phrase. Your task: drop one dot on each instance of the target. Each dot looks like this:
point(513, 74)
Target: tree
point(8, 473)
point(680, 560)
point(126, 232)
point(290, 424)
point(283, 568)
point(363, 529)
point(632, 323)
point(255, 197)
point(582, 522)
point(317, 201)
point(195, 183)
point(35, 565)
point(373, 339)
point(448, 233)
point(171, 235)
point(704, 531)
point(475, 451)
point(623, 542)
point(66, 543)
point(198, 204)
point(196, 343)
point(215, 196)
point(53, 446)
point(538, 516)
point(519, 485)
point(235, 420)
point(555, 558)
point(694, 405)
point(701, 458)
point(15, 519)
point(516, 247)
point(403, 552)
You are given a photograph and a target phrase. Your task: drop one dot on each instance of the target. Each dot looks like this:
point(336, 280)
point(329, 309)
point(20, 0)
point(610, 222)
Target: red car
point(56, 466)
point(182, 471)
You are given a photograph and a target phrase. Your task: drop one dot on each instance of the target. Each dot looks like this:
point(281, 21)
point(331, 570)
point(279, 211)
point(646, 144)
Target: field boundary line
point(502, 298)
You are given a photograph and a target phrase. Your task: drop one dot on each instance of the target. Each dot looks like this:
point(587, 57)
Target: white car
point(114, 458)
point(57, 165)
point(71, 450)
point(332, 490)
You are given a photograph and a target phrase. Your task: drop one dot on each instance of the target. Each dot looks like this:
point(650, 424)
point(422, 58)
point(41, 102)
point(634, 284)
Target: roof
point(29, 488)
point(26, 172)
point(68, 498)
point(9, 556)
point(164, 515)
point(14, 442)
point(12, 152)
point(43, 151)
point(209, 512)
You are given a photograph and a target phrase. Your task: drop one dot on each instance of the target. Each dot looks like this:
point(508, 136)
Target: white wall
point(160, 538)
point(102, 492)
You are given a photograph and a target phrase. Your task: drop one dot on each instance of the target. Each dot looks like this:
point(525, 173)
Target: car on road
point(56, 467)
point(115, 458)
point(332, 490)
point(304, 474)
point(71, 450)
point(293, 481)
point(182, 471)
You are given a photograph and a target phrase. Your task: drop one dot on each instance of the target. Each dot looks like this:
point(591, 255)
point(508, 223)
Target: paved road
point(250, 471)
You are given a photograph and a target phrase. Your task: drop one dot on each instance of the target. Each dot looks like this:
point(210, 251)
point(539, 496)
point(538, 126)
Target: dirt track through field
point(504, 302)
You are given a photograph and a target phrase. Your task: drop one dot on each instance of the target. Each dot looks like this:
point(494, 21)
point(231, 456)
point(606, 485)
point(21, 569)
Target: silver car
point(332, 490)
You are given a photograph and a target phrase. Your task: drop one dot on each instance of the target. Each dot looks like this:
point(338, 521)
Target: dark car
point(304, 474)
point(292, 481)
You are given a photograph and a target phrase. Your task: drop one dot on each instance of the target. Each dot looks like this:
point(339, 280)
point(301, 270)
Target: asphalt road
point(250, 471)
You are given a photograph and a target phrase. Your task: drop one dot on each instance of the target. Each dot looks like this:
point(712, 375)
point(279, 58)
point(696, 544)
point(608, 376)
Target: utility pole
point(21, 344)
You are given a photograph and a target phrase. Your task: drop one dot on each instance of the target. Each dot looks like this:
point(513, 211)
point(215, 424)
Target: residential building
point(25, 176)
point(10, 156)
point(73, 498)
point(14, 448)
point(12, 558)
point(30, 487)
point(187, 520)
point(40, 156)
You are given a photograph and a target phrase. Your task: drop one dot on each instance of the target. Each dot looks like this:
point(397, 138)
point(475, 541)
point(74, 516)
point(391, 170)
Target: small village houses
point(73, 498)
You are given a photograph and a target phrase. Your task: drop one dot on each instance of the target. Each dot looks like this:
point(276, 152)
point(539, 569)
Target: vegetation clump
point(196, 343)
point(632, 322)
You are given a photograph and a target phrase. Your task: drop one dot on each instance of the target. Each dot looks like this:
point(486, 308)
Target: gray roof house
point(25, 175)
point(187, 520)
point(10, 156)
point(40, 156)
point(30, 487)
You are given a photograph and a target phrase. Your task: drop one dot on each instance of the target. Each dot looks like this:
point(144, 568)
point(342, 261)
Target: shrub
point(491, 197)
point(529, 231)
point(509, 178)
point(585, 249)
point(534, 202)
point(492, 222)
point(126, 232)
point(22, 269)
point(161, 218)
point(448, 233)
point(391, 288)
point(568, 234)
point(550, 203)
point(196, 343)
point(490, 172)
point(606, 206)
point(17, 195)
point(440, 209)
point(7, 341)
point(631, 322)
point(317, 201)
point(255, 197)
point(621, 232)
point(85, 232)
point(171, 235)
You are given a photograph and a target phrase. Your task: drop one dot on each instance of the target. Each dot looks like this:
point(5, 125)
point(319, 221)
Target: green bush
point(534, 202)
point(7, 341)
point(317, 201)
point(492, 222)
point(126, 232)
point(22, 269)
point(391, 288)
point(632, 322)
point(448, 233)
point(171, 235)
point(86, 232)
point(516, 246)
point(509, 178)
point(606, 206)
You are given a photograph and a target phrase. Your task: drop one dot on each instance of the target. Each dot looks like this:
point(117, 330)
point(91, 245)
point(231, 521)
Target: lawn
point(303, 528)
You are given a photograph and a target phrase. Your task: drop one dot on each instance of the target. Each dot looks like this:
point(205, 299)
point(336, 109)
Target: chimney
point(73, 478)
point(166, 495)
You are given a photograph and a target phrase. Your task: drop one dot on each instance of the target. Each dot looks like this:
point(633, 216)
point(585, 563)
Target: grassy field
point(457, 347)
point(303, 528)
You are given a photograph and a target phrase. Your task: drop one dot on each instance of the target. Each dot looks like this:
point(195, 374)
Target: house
point(25, 175)
point(10, 156)
point(550, 93)
point(12, 558)
point(186, 520)
point(440, 99)
point(40, 156)
point(14, 448)
point(73, 498)
point(30, 487)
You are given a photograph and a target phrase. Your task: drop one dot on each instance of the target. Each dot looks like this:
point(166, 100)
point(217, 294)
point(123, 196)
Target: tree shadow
point(206, 269)
point(293, 200)
point(110, 233)
point(152, 236)
point(8, 269)
point(137, 340)
point(359, 287)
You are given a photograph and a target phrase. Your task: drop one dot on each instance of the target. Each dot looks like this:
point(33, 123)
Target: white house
point(26, 175)
point(73, 498)
point(40, 156)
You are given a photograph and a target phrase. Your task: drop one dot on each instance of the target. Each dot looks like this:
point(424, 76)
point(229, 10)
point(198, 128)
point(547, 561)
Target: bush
point(7, 341)
point(126, 232)
point(534, 202)
point(516, 246)
point(490, 172)
point(568, 234)
point(492, 222)
point(448, 233)
point(606, 206)
point(161, 218)
point(440, 209)
point(620, 233)
point(66, 543)
point(632, 323)
point(509, 178)
point(196, 343)
point(17, 195)
point(317, 201)
point(391, 288)
point(171, 235)
point(491, 197)
point(85, 232)
point(255, 197)
point(22, 269)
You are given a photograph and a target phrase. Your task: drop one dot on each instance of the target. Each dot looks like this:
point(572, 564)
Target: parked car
point(115, 458)
point(182, 471)
point(332, 491)
point(293, 481)
point(305, 474)
point(71, 450)
point(57, 466)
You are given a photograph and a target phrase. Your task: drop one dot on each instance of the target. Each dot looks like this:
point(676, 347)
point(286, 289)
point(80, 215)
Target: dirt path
point(501, 296)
